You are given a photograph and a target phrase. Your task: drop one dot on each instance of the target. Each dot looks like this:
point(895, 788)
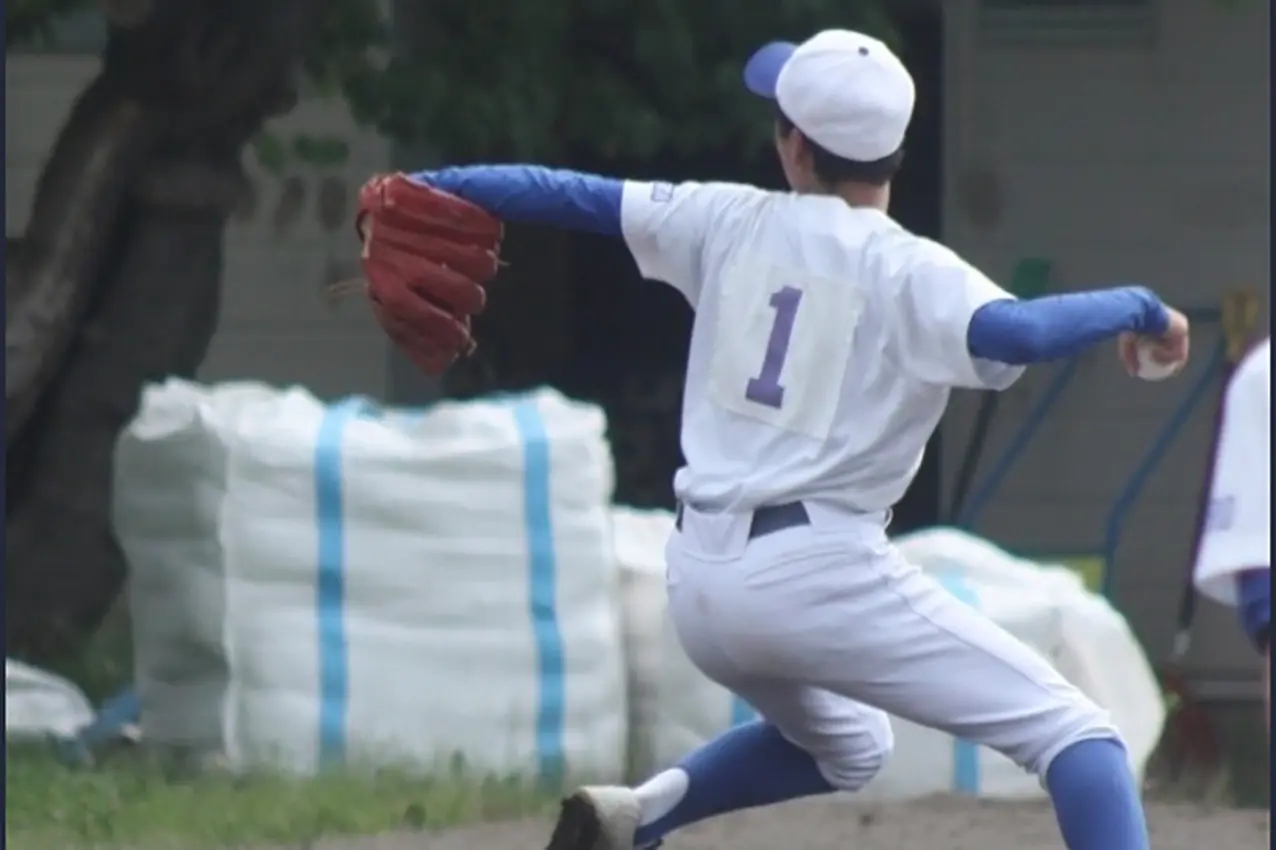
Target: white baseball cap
point(844, 90)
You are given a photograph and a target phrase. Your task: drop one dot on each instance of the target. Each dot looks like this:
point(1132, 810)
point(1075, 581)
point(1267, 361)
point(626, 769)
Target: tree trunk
point(136, 305)
point(50, 281)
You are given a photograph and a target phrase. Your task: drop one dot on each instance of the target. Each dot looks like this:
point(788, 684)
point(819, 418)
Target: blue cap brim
point(762, 71)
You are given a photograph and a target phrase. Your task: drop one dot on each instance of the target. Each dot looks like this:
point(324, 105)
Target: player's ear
point(800, 150)
point(783, 140)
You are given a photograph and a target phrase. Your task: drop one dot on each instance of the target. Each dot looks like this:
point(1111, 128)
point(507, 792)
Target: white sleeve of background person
point(1237, 525)
point(666, 226)
point(938, 293)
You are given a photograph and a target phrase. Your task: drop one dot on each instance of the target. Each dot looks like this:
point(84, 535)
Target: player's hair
point(831, 169)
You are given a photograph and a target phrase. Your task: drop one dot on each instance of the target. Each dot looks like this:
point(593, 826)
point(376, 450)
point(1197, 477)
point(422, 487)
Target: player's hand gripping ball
point(1155, 358)
point(426, 256)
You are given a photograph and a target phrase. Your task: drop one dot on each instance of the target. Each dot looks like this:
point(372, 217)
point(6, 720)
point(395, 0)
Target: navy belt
point(768, 519)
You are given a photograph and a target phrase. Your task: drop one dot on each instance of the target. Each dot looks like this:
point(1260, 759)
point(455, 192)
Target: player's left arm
point(664, 225)
point(1051, 327)
point(961, 329)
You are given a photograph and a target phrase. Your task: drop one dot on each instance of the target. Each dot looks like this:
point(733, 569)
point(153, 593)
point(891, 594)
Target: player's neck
point(864, 195)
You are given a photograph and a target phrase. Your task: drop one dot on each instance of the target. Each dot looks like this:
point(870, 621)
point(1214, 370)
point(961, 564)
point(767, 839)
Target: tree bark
point(64, 566)
point(133, 297)
point(48, 288)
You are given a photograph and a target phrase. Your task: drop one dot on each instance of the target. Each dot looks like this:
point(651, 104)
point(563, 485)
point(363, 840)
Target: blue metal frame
point(1114, 525)
point(1152, 459)
point(1027, 431)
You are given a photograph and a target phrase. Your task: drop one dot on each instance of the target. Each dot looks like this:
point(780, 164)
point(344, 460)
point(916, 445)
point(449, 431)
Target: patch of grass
point(133, 803)
point(137, 802)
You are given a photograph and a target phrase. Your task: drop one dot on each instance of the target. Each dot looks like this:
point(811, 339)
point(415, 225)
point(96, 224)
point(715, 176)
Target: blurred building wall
point(1124, 142)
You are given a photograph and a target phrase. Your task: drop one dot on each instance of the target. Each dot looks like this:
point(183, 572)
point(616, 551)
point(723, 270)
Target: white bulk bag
point(39, 705)
point(674, 708)
point(314, 584)
point(1092, 644)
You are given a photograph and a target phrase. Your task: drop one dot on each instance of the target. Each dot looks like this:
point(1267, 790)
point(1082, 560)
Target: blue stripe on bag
point(741, 711)
point(542, 585)
point(330, 585)
point(965, 754)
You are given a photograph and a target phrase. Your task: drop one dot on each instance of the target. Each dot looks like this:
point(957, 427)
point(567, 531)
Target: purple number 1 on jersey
point(765, 388)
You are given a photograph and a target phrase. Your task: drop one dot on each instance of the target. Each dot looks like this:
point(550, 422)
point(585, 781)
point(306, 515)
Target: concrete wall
point(1134, 154)
point(276, 324)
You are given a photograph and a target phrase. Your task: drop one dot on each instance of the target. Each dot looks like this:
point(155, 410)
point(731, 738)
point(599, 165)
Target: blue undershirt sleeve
point(1059, 326)
point(1254, 595)
point(533, 194)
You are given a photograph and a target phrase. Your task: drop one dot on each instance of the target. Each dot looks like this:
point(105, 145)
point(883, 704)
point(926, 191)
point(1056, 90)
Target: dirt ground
point(934, 824)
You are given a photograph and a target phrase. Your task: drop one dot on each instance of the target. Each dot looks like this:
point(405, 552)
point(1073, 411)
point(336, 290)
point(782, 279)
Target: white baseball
point(1149, 368)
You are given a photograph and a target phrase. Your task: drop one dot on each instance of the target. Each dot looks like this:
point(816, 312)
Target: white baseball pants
point(823, 628)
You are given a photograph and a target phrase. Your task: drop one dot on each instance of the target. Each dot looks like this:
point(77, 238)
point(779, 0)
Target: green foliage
point(28, 21)
point(271, 153)
point(318, 152)
point(546, 81)
point(483, 80)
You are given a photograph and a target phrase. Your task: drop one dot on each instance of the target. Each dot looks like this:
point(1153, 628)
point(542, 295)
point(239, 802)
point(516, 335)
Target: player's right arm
point(958, 328)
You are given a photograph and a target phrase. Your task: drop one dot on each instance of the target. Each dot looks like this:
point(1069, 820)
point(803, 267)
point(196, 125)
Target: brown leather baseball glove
point(426, 256)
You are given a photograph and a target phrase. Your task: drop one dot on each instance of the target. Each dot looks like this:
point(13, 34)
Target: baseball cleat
point(596, 818)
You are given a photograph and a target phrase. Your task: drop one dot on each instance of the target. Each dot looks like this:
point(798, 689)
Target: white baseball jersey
point(1237, 534)
point(825, 343)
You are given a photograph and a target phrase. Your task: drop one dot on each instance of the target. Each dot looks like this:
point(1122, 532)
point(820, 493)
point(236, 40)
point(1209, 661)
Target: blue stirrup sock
point(1096, 798)
point(750, 765)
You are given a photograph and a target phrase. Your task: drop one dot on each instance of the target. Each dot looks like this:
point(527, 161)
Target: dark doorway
point(916, 203)
point(629, 336)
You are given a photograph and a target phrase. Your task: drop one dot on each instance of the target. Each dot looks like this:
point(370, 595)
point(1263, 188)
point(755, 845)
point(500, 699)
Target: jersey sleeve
point(1236, 531)
point(938, 294)
point(667, 226)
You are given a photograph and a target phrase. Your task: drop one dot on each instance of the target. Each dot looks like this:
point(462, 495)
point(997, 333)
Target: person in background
point(1233, 559)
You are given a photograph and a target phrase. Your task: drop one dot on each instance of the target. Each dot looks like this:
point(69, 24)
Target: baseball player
point(1233, 559)
point(826, 341)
